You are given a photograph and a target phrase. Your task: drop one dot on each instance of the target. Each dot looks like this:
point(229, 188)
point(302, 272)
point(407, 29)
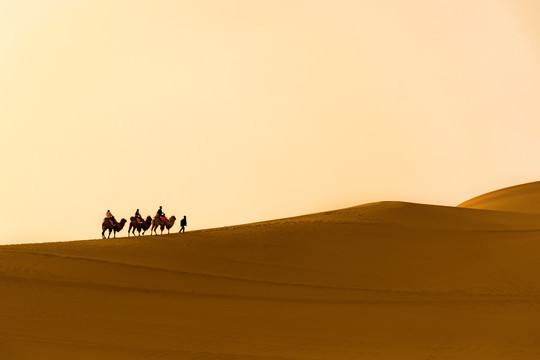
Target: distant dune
point(387, 280)
point(523, 198)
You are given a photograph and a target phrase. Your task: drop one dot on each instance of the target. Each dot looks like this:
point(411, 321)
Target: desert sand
point(520, 198)
point(388, 280)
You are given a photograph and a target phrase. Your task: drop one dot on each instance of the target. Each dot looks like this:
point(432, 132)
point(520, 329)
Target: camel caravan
point(137, 223)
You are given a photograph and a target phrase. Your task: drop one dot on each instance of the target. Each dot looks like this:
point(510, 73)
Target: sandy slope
point(520, 198)
point(380, 281)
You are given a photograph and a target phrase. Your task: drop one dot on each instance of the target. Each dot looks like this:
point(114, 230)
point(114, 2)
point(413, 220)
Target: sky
point(237, 111)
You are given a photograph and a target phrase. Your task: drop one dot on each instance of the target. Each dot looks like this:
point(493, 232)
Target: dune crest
point(524, 198)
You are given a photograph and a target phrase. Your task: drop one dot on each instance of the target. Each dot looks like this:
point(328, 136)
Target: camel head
point(121, 224)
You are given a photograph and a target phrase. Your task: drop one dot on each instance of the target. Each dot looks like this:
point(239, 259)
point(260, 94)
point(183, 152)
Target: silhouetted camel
point(169, 224)
point(146, 224)
point(158, 221)
point(137, 224)
point(108, 225)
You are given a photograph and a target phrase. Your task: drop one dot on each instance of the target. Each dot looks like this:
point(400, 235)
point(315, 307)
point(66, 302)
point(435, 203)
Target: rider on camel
point(110, 217)
point(138, 216)
point(161, 214)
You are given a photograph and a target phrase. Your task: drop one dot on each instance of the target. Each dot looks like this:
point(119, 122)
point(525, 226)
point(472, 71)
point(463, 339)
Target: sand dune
point(520, 198)
point(386, 280)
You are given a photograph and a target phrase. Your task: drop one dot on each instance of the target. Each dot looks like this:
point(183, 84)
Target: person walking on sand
point(183, 224)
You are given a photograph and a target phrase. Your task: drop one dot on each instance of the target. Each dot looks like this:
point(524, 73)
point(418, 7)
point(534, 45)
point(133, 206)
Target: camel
point(146, 224)
point(169, 224)
point(108, 225)
point(138, 225)
point(159, 222)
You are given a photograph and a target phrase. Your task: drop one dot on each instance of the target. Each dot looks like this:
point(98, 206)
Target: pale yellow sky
point(237, 111)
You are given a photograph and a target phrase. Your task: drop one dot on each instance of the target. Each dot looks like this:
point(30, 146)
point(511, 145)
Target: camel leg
point(103, 233)
point(108, 237)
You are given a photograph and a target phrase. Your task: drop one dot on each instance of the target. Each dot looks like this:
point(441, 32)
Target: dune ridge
point(524, 198)
point(384, 280)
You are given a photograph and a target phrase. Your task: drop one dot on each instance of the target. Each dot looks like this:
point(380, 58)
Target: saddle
point(162, 218)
